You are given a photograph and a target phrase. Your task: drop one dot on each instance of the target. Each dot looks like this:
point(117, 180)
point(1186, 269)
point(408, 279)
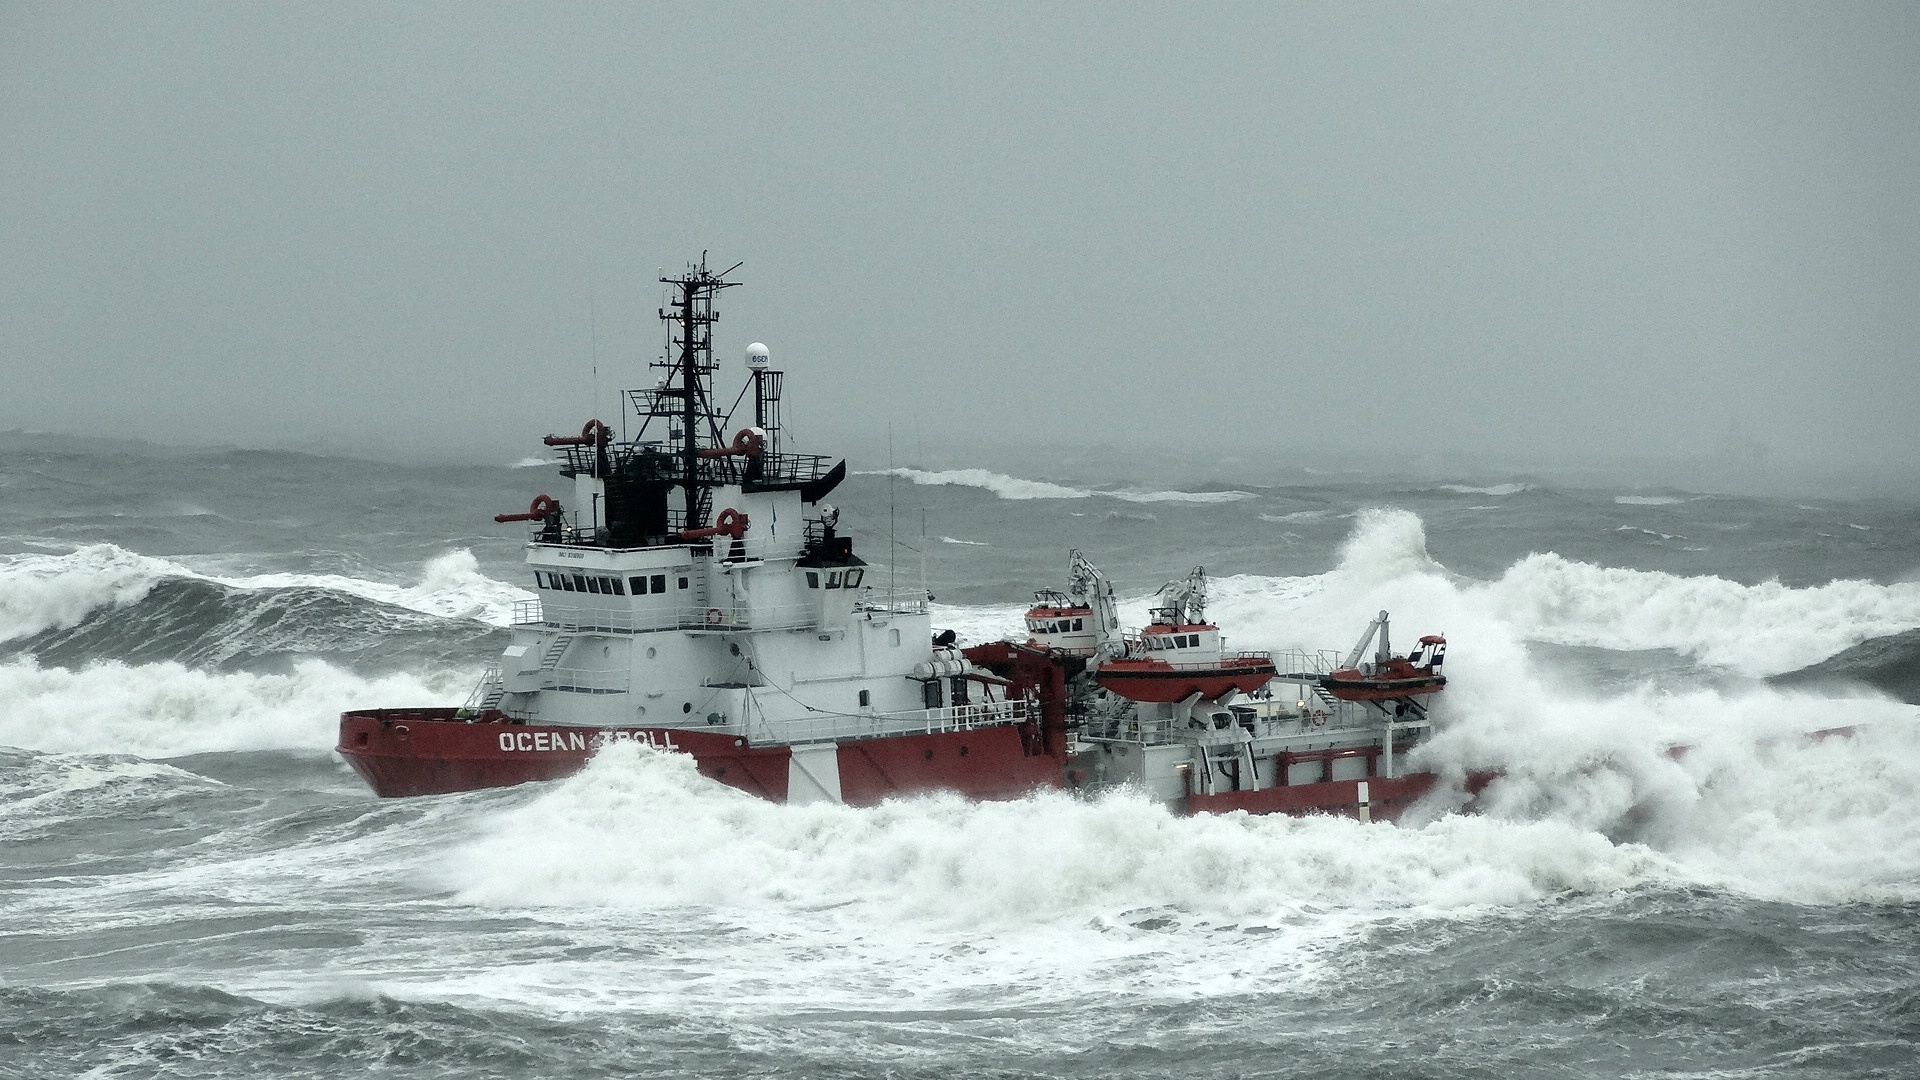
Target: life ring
point(543, 506)
point(1318, 717)
point(715, 616)
point(747, 442)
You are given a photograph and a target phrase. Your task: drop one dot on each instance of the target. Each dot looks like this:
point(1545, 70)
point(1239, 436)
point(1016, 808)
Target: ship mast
point(692, 368)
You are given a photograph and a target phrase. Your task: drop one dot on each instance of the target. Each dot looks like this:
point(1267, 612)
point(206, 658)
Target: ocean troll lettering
point(549, 741)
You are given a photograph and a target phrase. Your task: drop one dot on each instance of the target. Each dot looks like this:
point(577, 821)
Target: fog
point(1683, 238)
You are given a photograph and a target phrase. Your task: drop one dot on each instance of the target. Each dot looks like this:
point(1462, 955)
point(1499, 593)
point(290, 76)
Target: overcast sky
point(1529, 232)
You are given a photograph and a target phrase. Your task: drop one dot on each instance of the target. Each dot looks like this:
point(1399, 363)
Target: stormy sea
point(196, 886)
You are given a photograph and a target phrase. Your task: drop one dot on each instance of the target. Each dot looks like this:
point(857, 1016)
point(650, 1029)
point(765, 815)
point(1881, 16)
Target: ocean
point(195, 886)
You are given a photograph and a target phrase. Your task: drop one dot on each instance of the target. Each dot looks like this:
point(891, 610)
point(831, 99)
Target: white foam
point(167, 709)
point(1495, 489)
point(531, 463)
point(968, 543)
point(1758, 629)
point(1006, 487)
point(40, 592)
point(1297, 515)
point(1648, 500)
point(1013, 487)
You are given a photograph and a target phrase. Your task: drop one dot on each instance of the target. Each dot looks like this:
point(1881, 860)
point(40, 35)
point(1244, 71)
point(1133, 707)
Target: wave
point(1015, 488)
point(968, 543)
point(41, 592)
point(1648, 500)
point(167, 709)
point(1297, 515)
point(1495, 489)
point(1759, 629)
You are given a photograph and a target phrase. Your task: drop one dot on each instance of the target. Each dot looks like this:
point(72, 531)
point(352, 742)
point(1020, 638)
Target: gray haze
point(1520, 235)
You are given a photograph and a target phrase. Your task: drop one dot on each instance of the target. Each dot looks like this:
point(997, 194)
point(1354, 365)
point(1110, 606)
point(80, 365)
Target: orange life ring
point(715, 616)
point(1318, 717)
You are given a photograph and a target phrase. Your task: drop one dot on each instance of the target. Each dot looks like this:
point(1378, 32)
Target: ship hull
point(408, 752)
point(404, 752)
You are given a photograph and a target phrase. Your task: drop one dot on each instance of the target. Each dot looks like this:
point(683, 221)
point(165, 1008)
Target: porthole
point(734, 648)
point(652, 652)
point(686, 706)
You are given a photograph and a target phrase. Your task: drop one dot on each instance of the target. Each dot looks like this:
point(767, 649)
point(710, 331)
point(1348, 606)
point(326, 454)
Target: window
point(540, 579)
point(566, 582)
point(957, 690)
point(813, 580)
point(853, 578)
point(593, 584)
point(893, 637)
point(659, 582)
point(639, 585)
point(1193, 641)
point(683, 583)
point(579, 583)
point(866, 698)
point(619, 589)
point(1076, 624)
point(833, 580)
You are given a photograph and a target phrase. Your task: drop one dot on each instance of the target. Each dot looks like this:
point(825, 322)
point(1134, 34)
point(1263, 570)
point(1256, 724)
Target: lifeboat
point(1056, 623)
point(1172, 662)
point(1144, 678)
point(1392, 678)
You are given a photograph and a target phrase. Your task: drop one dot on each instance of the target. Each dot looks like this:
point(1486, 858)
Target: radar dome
point(757, 356)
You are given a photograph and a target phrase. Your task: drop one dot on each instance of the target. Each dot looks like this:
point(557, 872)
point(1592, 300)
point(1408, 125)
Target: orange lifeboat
point(1174, 662)
point(1392, 678)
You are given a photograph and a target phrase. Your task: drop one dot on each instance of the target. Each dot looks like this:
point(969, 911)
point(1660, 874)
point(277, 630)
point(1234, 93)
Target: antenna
point(893, 552)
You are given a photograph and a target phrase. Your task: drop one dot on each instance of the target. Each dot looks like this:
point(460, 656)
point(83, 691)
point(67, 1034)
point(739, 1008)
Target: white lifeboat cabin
point(1057, 624)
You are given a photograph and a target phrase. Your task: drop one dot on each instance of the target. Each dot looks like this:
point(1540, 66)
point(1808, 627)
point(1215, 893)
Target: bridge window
point(683, 583)
point(639, 585)
point(853, 578)
point(1076, 624)
point(579, 583)
point(813, 580)
point(593, 584)
point(659, 582)
point(619, 589)
point(833, 580)
point(866, 698)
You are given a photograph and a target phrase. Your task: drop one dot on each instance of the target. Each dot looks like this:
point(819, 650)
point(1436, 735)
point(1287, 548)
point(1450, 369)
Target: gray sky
point(1532, 233)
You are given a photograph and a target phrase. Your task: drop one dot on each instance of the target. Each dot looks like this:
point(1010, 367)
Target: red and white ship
point(695, 594)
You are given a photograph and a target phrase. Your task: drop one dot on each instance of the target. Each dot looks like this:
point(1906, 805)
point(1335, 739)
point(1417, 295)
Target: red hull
point(1350, 685)
point(1156, 680)
point(428, 752)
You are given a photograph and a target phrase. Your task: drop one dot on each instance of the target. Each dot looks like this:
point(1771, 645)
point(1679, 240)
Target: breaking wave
point(1648, 500)
point(1495, 489)
point(41, 592)
point(168, 709)
point(1013, 487)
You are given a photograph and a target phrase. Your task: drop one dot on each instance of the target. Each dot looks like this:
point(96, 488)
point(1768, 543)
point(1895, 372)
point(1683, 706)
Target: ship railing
point(893, 601)
point(1212, 665)
point(727, 616)
point(1306, 662)
point(845, 727)
point(723, 616)
point(587, 680)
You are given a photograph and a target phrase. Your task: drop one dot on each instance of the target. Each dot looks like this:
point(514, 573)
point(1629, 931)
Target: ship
point(696, 593)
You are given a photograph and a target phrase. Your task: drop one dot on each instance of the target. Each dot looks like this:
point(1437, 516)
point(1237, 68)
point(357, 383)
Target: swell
point(204, 623)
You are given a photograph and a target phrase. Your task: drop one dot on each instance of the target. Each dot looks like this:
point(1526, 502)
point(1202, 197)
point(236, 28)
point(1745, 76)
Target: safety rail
point(894, 602)
point(726, 616)
point(842, 727)
point(587, 680)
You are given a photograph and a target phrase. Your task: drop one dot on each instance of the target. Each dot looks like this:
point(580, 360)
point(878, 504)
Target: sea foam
point(41, 592)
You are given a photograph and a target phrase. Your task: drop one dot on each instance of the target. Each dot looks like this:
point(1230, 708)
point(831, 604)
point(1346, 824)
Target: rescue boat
point(694, 592)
